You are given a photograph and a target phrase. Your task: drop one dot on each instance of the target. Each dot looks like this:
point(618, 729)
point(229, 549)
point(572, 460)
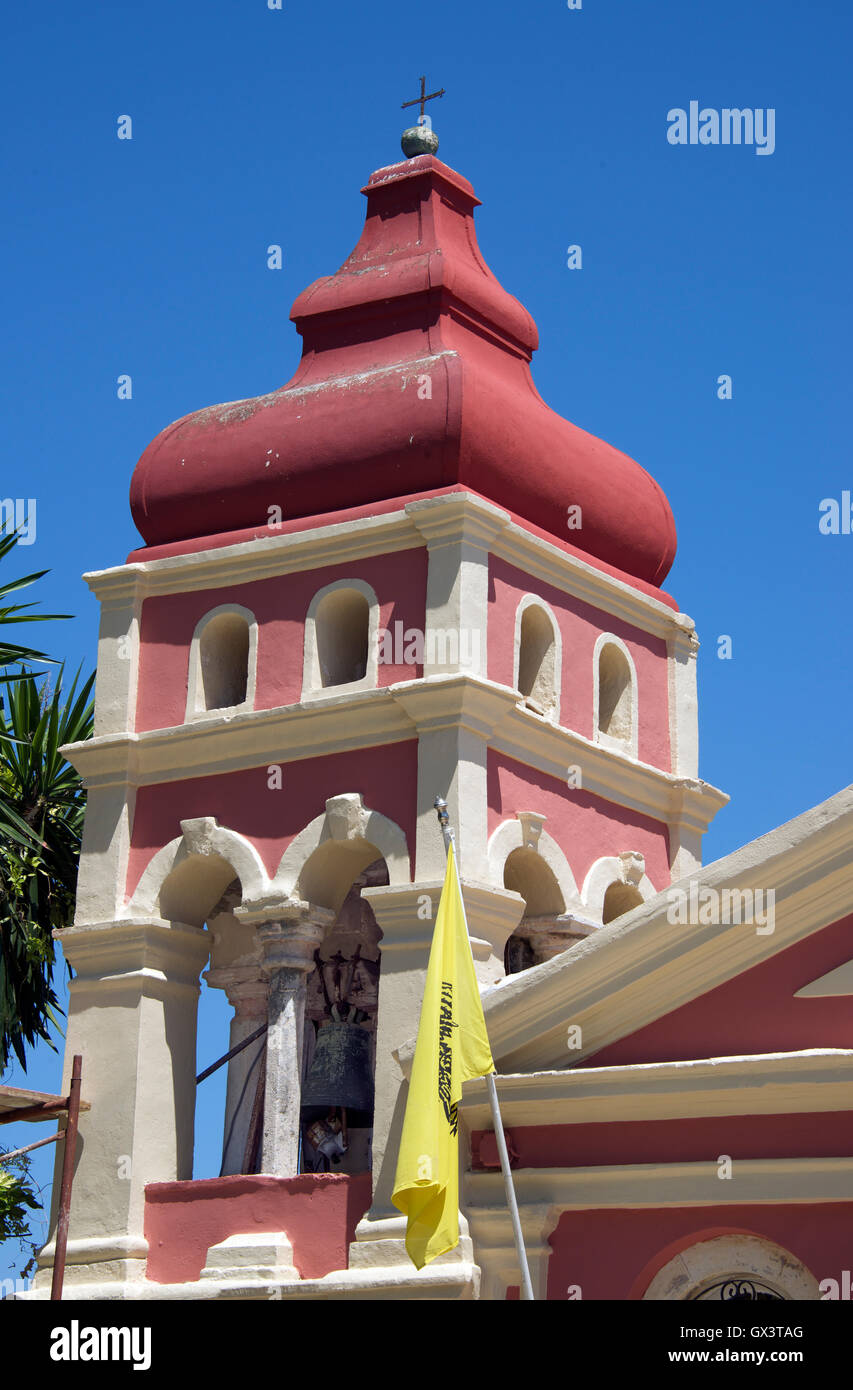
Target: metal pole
point(526, 1285)
point(28, 1148)
point(509, 1188)
point(67, 1179)
point(247, 1042)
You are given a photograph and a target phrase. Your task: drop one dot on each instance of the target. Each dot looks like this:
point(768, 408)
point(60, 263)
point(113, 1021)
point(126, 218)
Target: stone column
point(132, 1016)
point(247, 989)
point(288, 944)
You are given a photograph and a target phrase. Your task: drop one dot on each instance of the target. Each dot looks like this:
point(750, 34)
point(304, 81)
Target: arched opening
point(202, 891)
point(342, 623)
point(619, 899)
point(223, 654)
point(526, 873)
point(615, 687)
point(538, 673)
point(339, 1048)
point(739, 1266)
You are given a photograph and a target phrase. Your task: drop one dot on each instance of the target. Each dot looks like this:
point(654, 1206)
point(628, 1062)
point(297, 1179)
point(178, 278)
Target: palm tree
point(38, 880)
point(41, 816)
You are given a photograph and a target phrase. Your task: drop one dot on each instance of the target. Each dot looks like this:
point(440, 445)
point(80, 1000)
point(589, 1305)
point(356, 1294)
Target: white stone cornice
point(474, 518)
point(455, 701)
point(643, 966)
point(777, 1083)
point(604, 772)
point(265, 557)
point(110, 955)
point(393, 714)
point(457, 517)
point(753, 1181)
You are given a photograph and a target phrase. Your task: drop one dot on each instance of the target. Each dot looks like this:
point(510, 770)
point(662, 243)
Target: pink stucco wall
point(753, 1013)
point(271, 818)
point(615, 1254)
point(580, 626)
point(280, 606)
point(584, 826)
point(318, 1211)
point(695, 1140)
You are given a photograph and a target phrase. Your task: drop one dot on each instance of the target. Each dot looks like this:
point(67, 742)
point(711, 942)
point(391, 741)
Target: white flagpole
point(526, 1285)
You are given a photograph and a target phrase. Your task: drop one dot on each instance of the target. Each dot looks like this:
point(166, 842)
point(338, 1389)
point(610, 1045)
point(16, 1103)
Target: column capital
point(289, 941)
point(246, 987)
point(111, 952)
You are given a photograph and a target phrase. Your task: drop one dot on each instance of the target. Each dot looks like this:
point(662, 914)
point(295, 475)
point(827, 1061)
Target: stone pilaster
point(132, 1016)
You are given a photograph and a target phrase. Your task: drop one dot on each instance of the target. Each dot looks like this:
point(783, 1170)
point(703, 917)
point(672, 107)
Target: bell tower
point(398, 576)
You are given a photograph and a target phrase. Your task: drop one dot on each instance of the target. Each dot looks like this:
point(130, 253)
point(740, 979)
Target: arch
point(538, 657)
point(614, 695)
point(191, 868)
point(525, 832)
point(703, 1269)
point(341, 629)
point(325, 858)
point(223, 662)
point(527, 873)
point(626, 872)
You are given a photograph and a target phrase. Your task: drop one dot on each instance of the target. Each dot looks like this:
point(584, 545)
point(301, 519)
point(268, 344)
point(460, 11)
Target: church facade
point(398, 577)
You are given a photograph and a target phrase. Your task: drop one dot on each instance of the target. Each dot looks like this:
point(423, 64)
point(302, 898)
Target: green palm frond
point(42, 802)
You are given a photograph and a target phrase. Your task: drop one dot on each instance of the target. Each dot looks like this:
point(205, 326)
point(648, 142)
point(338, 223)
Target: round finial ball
point(419, 139)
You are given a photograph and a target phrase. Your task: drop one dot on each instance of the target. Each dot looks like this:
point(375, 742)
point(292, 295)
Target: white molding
point(334, 721)
point(682, 650)
point(195, 707)
point(612, 869)
point(641, 966)
point(617, 745)
point(405, 529)
point(816, 1081)
point(755, 1181)
point(312, 679)
point(202, 837)
point(346, 818)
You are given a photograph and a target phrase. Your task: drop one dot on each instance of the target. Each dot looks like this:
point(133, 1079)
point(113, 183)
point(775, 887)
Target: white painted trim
point(681, 652)
point(740, 1256)
point(199, 837)
point(533, 601)
point(660, 966)
point(312, 680)
point(509, 836)
point(388, 715)
point(755, 1181)
point(196, 708)
point(816, 1081)
point(616, 745)
point(362, 537)
point(346, 818)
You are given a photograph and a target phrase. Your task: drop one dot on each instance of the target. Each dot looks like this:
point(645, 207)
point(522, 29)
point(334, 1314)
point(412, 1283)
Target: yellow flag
point(452, 1047)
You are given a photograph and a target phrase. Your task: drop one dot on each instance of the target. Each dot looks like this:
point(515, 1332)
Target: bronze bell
point(341, 1072)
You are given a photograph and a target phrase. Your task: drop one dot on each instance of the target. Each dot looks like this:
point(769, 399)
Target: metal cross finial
point(422, 99)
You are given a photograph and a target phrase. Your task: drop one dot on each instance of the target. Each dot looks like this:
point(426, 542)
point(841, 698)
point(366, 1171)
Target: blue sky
point(254, 126)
